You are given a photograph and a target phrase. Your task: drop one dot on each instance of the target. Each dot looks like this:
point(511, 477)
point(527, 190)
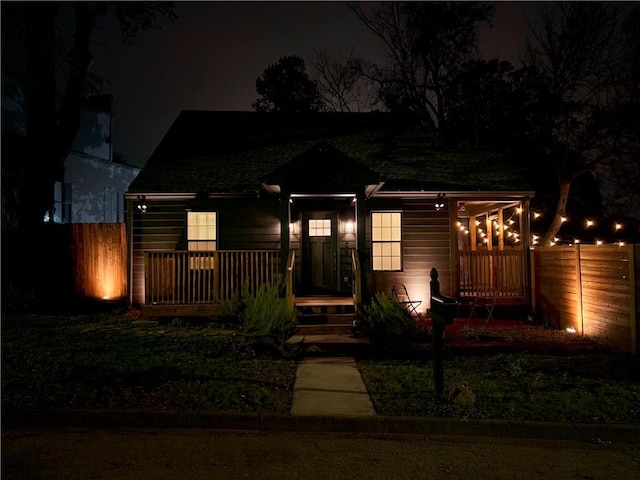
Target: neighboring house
point(362, 200)
point(93, 186)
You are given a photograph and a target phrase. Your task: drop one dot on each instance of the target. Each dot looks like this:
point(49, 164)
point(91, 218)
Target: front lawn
point(595, 387)
point(108, 362)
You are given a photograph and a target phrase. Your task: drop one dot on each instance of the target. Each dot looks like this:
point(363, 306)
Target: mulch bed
point(504, 335)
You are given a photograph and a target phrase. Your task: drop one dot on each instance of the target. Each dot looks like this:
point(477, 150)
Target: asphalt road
point(81, 453)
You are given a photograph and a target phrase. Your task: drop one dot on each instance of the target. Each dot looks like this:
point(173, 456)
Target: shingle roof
point(230, 152)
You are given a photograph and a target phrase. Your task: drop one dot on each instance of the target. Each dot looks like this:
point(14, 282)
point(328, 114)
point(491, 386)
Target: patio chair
point(399, 291)
point(485, 301)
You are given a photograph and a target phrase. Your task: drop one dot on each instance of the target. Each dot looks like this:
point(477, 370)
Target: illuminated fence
point(591, 289)
point(99, 258)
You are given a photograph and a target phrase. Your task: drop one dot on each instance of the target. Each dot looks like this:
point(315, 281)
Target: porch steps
point(325, 326)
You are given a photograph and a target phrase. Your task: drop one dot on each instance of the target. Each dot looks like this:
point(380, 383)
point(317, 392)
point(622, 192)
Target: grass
point(588, 388)
point(107, 362)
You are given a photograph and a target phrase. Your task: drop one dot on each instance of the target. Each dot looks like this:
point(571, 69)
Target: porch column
point(284, 229)
point(361, 241)
point(525, 226)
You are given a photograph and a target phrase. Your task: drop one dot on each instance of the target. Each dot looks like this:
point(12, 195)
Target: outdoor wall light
point(439, 202)
point(348, 228)
point(142, 205)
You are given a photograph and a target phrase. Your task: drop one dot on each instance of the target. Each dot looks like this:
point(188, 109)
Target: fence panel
point(100, 259)
point(592, 288)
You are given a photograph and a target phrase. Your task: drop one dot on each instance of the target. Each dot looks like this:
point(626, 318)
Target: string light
point(563, 219)
point(618, 226)
point(589, 223)
point(598, 242)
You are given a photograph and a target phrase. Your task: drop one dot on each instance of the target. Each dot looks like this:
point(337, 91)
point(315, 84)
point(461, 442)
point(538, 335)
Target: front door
point(319, 252)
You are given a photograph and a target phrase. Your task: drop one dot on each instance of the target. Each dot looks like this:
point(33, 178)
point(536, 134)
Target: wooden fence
point(60, 261)
point(99, 254)
point(592, 289)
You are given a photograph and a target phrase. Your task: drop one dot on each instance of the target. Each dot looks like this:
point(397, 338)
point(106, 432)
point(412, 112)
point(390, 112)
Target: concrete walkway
point(330, 386)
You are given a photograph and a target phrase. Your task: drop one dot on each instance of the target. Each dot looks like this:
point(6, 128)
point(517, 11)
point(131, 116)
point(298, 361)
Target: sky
point(210, 56)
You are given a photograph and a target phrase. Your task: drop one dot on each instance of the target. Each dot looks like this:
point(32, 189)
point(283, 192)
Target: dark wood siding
point(426, 243)
point(243, 224)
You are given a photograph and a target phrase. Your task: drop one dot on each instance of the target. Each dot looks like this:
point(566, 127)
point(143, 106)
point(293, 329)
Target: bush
point(268, 316)
point(386, 322)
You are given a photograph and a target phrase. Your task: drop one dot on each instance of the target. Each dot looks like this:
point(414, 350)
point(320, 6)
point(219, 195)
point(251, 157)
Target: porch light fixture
point(142, 205)
point(349, 227)
point(439, 202)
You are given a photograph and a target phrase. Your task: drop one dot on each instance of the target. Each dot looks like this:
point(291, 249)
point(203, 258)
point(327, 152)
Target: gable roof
point(233, 152)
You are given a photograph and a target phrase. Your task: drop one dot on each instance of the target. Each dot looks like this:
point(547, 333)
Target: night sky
point(210, 57)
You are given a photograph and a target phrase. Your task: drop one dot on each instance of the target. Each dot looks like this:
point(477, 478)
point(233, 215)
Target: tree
point(286, 87)
point(484, 105)
point(584, 110)
point(54, 65)
point(340, 81)
point(426, 44)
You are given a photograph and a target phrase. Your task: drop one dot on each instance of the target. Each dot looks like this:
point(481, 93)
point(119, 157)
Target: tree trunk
point(561, 210)
point(36, 166)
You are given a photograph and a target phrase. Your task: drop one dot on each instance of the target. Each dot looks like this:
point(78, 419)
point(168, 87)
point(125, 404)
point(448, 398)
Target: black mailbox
point(446, 308)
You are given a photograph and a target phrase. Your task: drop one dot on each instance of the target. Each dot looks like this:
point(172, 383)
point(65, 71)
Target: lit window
point(201, 237)
point(201, 231)
point(319, 227)
point(386, 239)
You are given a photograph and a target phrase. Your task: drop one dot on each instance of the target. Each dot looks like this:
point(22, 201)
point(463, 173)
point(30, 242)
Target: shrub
point(387, 322)
point(269, 317)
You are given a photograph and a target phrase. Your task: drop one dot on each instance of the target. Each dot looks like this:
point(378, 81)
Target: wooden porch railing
point(289, 277)
point(357, 281)
point(188, 277)
point(499, 272)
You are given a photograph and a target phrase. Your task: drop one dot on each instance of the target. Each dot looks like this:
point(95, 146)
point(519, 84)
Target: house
point(93, 186)
point(341, 204)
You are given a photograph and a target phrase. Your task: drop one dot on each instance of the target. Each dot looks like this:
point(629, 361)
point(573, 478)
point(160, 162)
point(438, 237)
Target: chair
point(399, 291)
point(485, 300)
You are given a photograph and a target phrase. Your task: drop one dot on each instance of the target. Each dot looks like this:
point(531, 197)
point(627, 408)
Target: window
point(61, 203)
point(386, 239)
point(319, 227)
point(201, 231)
point(113, 206)
point(201, 237)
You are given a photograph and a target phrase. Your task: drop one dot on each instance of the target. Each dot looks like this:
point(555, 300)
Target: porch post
point(361, 242)
point(525, 222)
point(284, 230)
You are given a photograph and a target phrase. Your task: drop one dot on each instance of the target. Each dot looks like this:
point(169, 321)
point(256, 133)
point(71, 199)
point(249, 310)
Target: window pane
point(386, 235)
point(319, 227)
point(201, 226)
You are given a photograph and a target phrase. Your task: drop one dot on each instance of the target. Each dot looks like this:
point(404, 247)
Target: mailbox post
point(443, 312)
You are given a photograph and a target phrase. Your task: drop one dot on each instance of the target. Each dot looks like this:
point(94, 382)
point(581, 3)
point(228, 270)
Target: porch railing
point(499, 272)
point(357, 281)
point(188, 277)
point(289, 277)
